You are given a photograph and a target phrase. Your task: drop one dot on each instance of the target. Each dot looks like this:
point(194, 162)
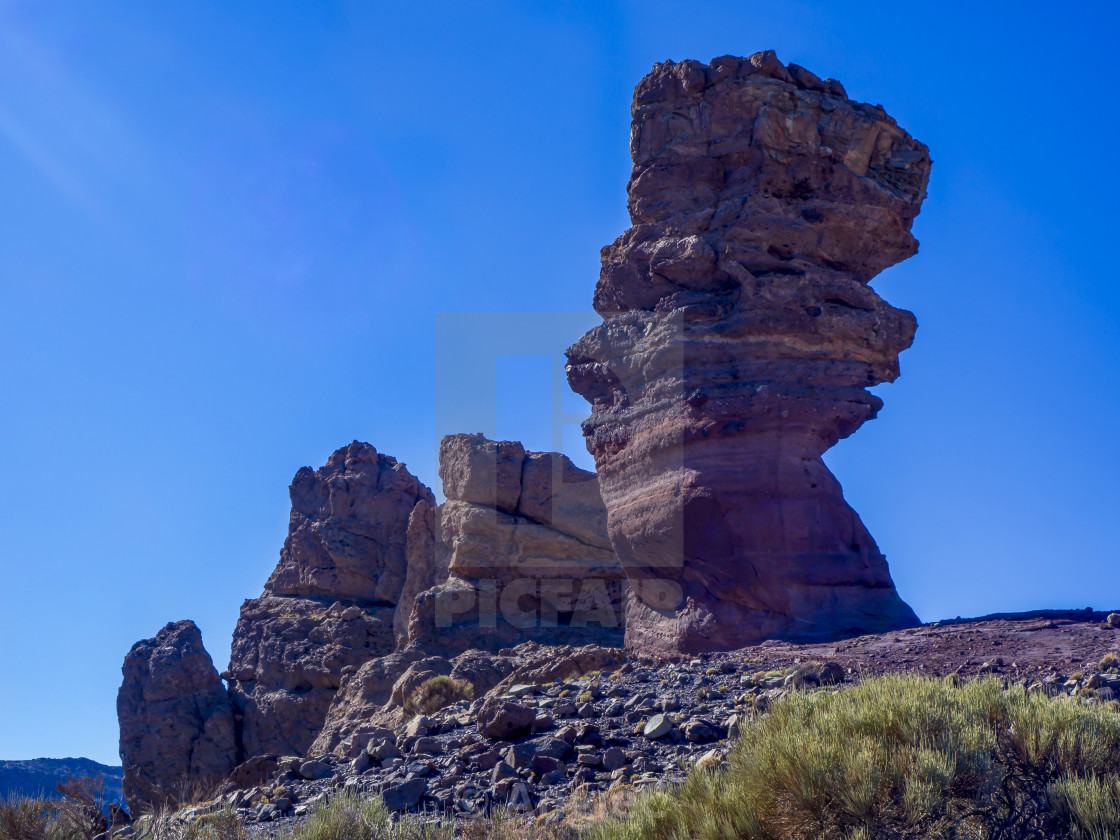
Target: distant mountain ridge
point(38, 777)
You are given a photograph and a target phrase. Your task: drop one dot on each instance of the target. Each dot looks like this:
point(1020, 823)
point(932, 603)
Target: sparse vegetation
point(892, 757)
point(902, 757)
point(77, 815)
point(1109, 662)
point(438, 692)
point(219, 824)
point(348, 816)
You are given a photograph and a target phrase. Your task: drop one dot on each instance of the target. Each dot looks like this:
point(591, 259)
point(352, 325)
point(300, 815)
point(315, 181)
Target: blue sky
point(228, 230)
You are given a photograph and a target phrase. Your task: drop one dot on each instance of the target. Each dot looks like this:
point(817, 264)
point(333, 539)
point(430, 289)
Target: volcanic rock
point(504, 719)
point(330, 604)
point(348, 529)
point(739, 339)
point(177, 726)
point(523, 538)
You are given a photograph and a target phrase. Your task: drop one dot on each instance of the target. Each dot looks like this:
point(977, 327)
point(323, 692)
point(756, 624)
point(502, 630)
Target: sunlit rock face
point(522, 546)
point(739, 339)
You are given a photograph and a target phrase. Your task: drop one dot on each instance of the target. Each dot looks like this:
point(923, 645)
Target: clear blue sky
point(227, 230)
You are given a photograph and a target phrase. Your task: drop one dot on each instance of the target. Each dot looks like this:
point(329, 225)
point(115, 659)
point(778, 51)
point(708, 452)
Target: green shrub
point(434, 694)
point(901, 757)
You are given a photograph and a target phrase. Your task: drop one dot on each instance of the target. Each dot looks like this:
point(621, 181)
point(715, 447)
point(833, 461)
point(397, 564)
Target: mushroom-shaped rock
point(739, 339)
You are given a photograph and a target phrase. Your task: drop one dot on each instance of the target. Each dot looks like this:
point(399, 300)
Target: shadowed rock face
point(522, 551)
point(739, 339)
point(330, 604)
point(177, 726)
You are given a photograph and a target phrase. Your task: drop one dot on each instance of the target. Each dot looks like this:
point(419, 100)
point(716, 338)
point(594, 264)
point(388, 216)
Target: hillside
point(38, 777)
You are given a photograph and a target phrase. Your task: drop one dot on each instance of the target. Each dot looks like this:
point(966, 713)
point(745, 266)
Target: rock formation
point(329, 606)
point(522, 539)
point(378, 589)
point(177, 726)
point(517, 554)
point(739, 339)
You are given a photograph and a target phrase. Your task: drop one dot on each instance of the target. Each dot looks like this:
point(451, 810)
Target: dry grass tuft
point(438, 692)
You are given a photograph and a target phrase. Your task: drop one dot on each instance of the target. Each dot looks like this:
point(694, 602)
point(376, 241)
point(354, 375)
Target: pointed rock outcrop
point(329, 606)
point(176, 722)
point(739, 339)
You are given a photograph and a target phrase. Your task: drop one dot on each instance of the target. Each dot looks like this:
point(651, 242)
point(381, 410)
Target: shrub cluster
point(902, 757)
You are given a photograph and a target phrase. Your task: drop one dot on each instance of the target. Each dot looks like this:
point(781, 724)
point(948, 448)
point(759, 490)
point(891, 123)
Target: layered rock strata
point(522, 537)
point(176, 722)
point(739, 339)
point(330, 605)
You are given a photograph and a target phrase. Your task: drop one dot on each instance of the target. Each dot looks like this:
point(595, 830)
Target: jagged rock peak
point(331, 603)
point(346, 536)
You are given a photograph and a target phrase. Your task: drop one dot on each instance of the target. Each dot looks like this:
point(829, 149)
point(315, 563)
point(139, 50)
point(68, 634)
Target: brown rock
point(177, 727)
point(740, 337)
point(331, 603)
point(416, 675)
point(540, 664)
point(286, 666)
point(426, 567)
point(359, 701)
point(255, 771)
point(522, 537)
point(347, 534)
point(504, 719)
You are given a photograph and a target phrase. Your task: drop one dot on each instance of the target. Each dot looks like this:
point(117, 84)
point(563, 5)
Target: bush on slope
point(902, 757)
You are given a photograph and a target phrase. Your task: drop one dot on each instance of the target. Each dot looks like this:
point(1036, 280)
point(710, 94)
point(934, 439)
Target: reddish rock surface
point(1019, 647)
point(740, 337)
point(329, 606)
point(177, 727)
point(521, 542)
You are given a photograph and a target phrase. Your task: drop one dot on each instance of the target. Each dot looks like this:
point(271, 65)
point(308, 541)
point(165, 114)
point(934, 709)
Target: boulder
point(658, 726)
point(504, 719)
point(405, 795)
point(739, 339)
point(176, 722)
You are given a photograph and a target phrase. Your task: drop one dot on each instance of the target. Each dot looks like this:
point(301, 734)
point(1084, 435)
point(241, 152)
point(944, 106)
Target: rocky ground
point(534, 747)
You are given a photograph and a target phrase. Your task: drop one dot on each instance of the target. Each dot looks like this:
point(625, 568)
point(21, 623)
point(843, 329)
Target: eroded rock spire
point(739, 339)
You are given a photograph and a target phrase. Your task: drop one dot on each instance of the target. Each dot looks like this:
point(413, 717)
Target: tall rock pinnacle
point(739, 339)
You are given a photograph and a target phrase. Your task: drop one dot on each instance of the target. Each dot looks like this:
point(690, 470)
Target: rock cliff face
point(330, 604)
point(739, 339)
point(522, 537)
point(177, 726)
